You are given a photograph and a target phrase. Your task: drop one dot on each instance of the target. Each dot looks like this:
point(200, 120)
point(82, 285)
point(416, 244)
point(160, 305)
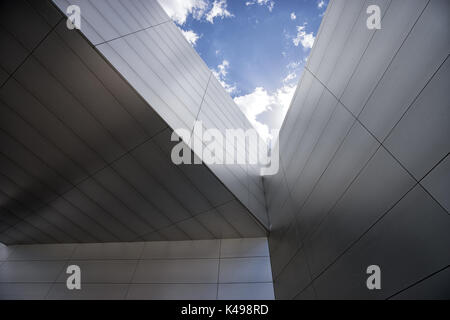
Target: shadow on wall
point(202, 269)
point(364, 156)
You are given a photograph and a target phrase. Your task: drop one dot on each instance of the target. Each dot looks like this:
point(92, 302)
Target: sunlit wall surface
point(364, 152)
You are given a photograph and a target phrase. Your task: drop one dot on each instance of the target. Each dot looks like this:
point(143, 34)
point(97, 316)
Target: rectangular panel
point(294, 278)
point(437, 182)
point(88, 291)
point(362, 205)
point(412, 67)
point(245, 270)
point(420, 139)
point(30, 271)
point(41, 252)
point(27, 291)
point(252, 247)
point(399, 249)
point(177, 271)
point(245, 291)
point(397, 24)
point(183, 249)
point(109, 271)
point(355, 47)
point(172, 292)
point(108, 251)
point(352, 156)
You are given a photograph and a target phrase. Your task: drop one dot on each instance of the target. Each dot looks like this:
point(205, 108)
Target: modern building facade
point(86, 176)
point(364, 152)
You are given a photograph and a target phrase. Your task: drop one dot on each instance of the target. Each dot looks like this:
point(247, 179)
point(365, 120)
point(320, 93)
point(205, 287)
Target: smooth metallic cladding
point(155, 58)
point(364, 151)
point(184, 270)
point(83, 158)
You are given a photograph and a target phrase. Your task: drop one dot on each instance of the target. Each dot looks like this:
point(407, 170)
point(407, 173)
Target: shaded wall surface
point(364, 152)
point(200, 269)
point(85, 130)
point(142, 43)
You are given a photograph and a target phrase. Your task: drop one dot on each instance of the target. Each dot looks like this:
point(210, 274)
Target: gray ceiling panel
point(13, 53)
point(137, 176)
point(84, 220)
point(194, 228)
point(171, 178)
point(51, 94)
point(25, 180)
point(83, 203)
point(203, 179)
point(26, 107)
point(174, 233)
point(132, 198)
point(108, 202)
point(244, 223)
point(3, 76)
point(86, 156)
point(47, 10)
point(218, 225)
point(12, 17)
point(9, 187)
point(17, 153)
point(25, 135)
point(89, 91)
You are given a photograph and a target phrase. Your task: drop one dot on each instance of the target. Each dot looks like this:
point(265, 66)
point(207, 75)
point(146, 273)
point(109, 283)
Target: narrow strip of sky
point(256, 48)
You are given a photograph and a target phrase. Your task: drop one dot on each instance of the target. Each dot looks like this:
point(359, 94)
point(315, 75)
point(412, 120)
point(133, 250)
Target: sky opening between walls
point(256, 48)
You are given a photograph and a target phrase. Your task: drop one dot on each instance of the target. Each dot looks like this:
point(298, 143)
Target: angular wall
point(202, 269)
point(364, 152)
point(142, 43)
point(85, 130)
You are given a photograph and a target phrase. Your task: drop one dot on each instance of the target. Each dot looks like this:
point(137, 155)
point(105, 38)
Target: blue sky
point(256, 48)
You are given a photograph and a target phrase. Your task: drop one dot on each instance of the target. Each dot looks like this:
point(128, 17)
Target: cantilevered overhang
point(85, 124)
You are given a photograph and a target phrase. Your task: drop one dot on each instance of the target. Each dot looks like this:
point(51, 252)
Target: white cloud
point(266, 110)
point(190, 36)
point(218, 10)
point(221, 74)
point(320, 4)
point(179, 10)
point(293, 16)
point(268, 3)
point(293, 71)
point(294, 64)
point(303, 38)
point(274, 105)
point(291, 76)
